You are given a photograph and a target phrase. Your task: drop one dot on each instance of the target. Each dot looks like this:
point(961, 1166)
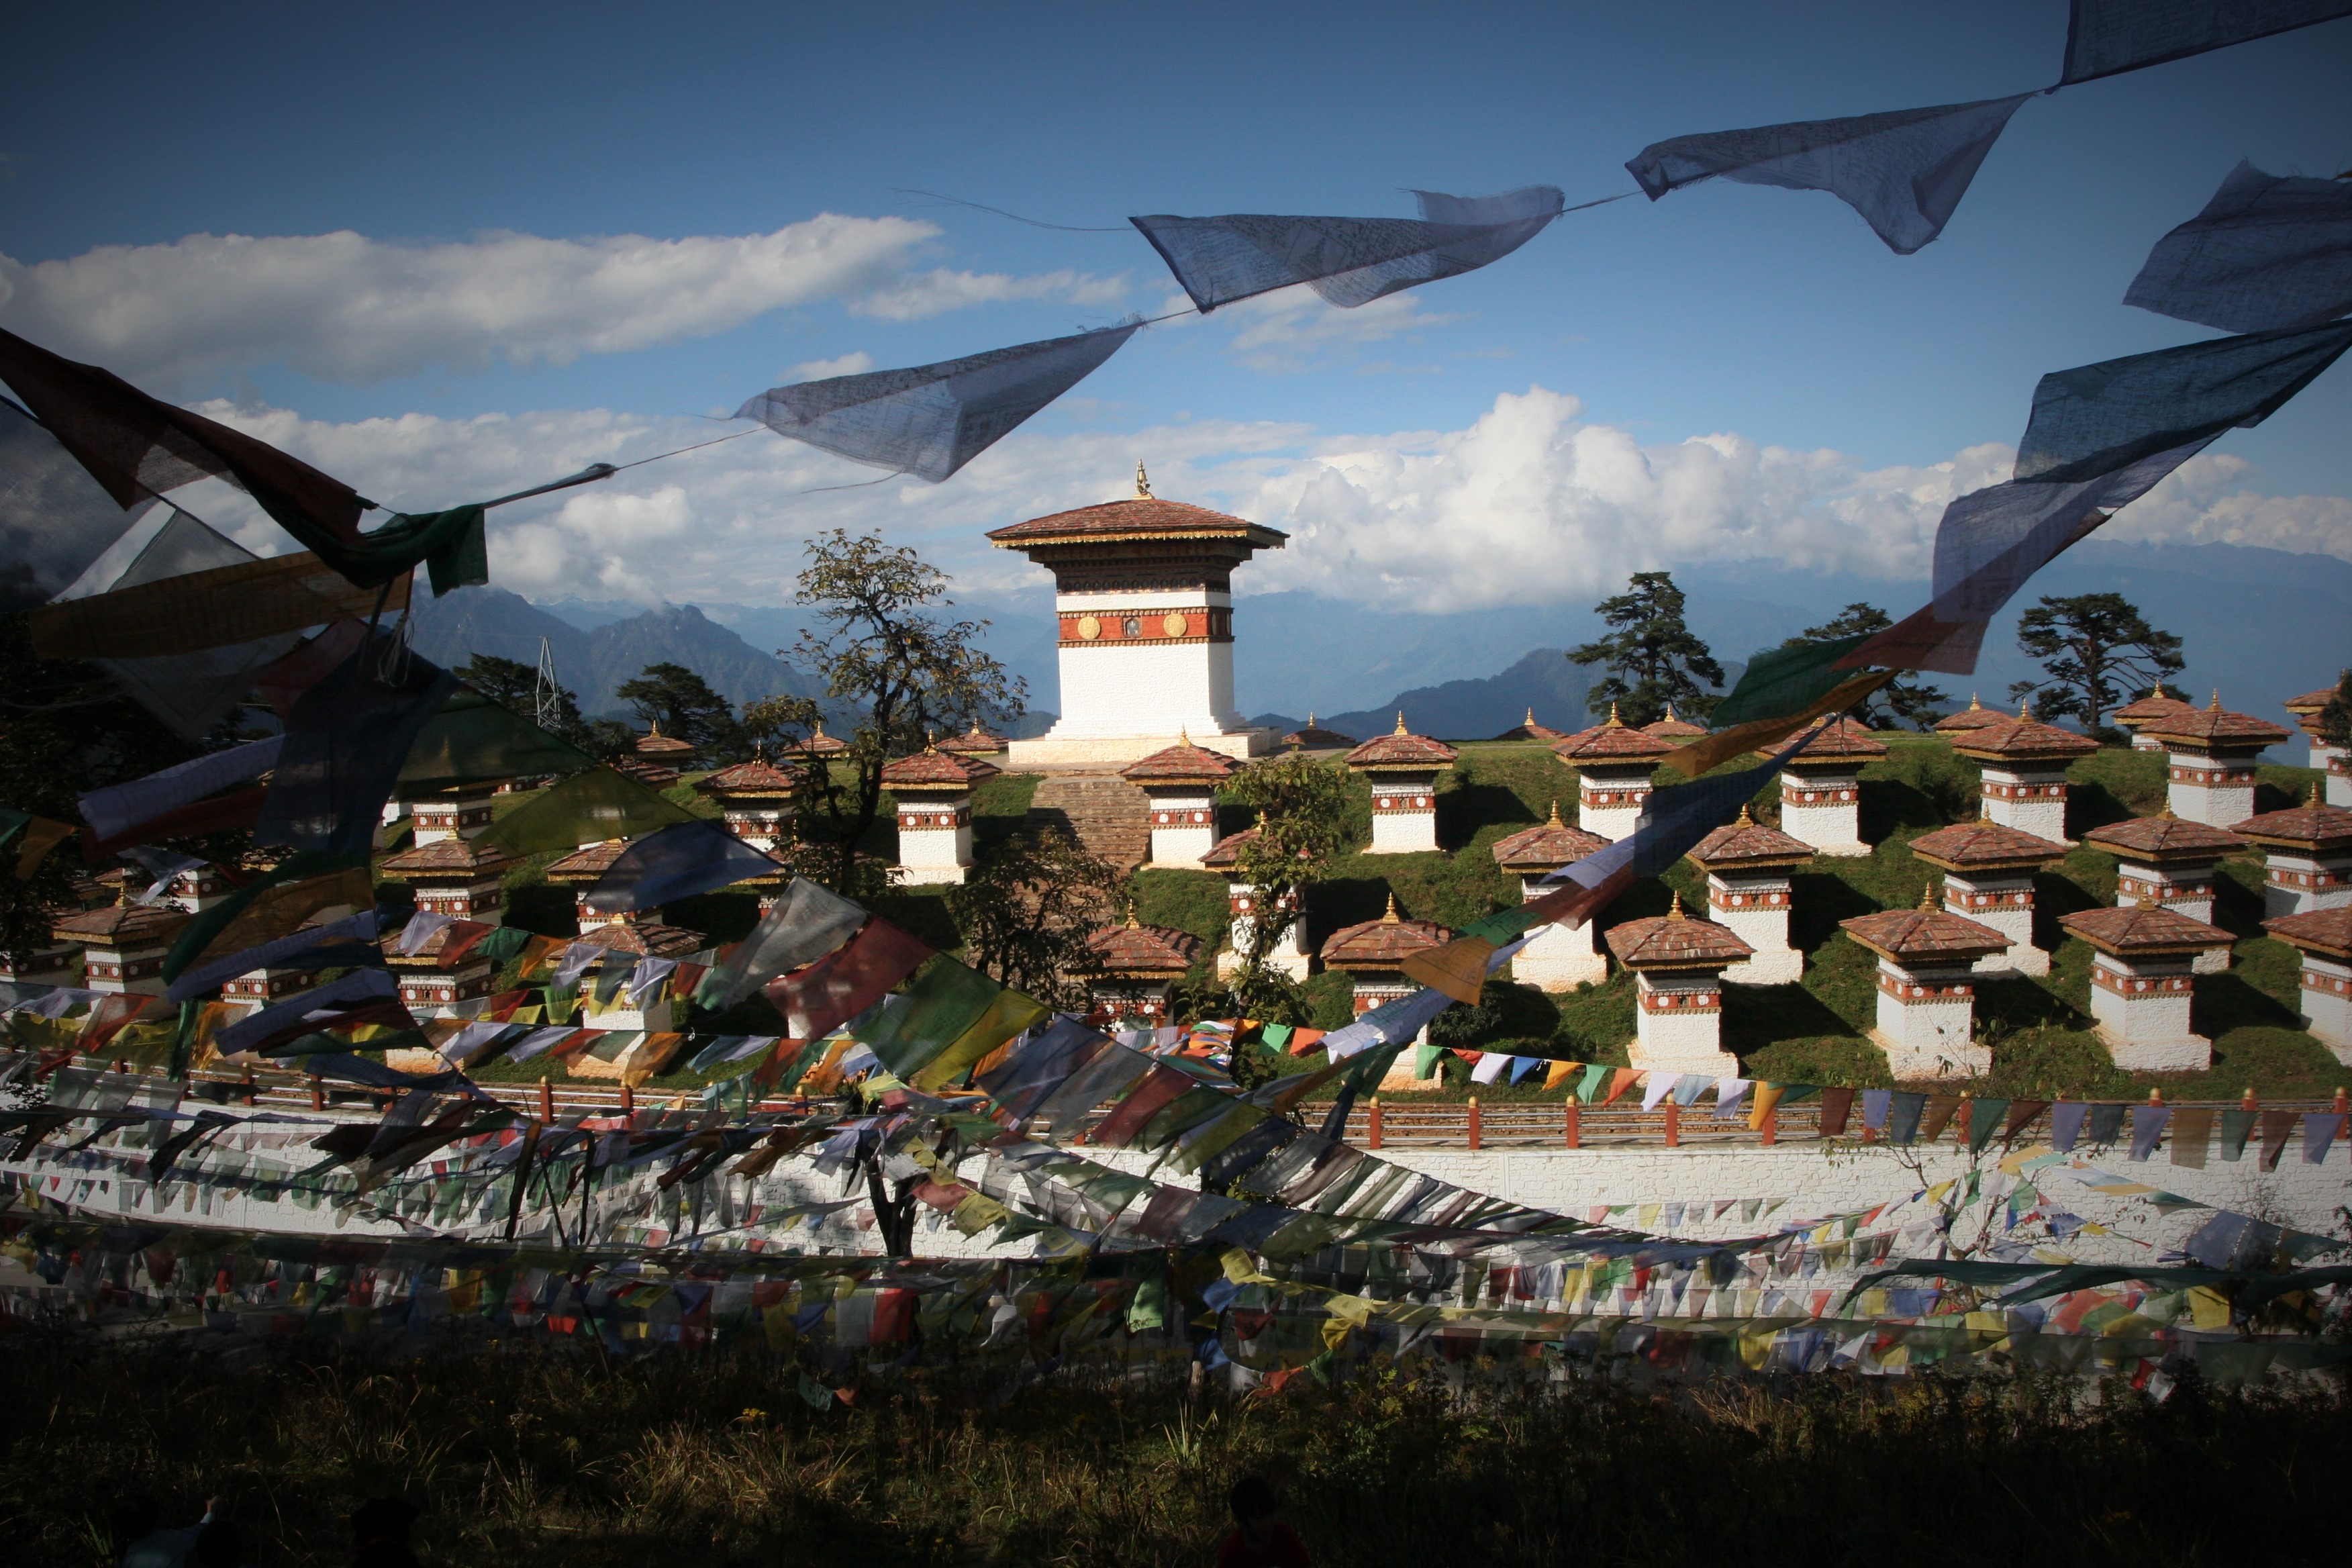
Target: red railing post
point(546, 1100)
point(1673, 1125)
point(1574, 1118)
point(1474, 1121)
point(1772, 1125)
point(1373, 1139)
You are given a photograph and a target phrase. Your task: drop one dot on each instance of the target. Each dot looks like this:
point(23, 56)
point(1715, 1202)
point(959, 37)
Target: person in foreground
point(1263, 1541)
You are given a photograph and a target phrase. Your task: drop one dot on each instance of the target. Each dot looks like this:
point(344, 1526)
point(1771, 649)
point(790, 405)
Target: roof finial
point(1927, 894)
point(2315, 795)
point(2159, 689)
point(819, 731)
point(1390, 918)
point(1745, 820)
point(1142, 483)
point(1530, 719)
point(1974, 705)
point(1400, 729)
point(658, 722)
point(1614, 722)
point(1555, 821)
point(1130, 912)
point(1670, 714)
point(930, 741)
point(2217, 700)
point(2021, 714)
point(1184, 734)
point(1676, 913)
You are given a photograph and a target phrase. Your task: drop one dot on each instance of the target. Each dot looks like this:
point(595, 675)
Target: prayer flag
point(676, 862)
point(2105, 36)
point(55, 521)
point(1350, 261)
point(362, 996)
point(931, 420)
point(121, 813)
point(586, 808)
point(220, 608)
point(1904, 172)
point(2096, 419)
point(845, 982)
point(946, 997)
point(806, 922)
point(344, 747)
point(2148, 1126)
point(472, 738)
point(1007, 1016)
point(276, 903)
point(2268, 253)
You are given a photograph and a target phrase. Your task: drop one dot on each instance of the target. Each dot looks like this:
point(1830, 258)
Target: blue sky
point(1772, 317)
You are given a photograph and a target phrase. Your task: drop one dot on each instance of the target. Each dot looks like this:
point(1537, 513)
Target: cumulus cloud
point(857, 363)
point(1534, 502)
point(941, 290)
point(346, 307)
point(1290, 329)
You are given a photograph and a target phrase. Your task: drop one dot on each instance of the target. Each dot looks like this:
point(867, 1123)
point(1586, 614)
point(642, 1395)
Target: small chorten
point(1614, 765)
point(1749, 893)
point(933, 790)
point(2135, 717)
point(1137, 966)
point(2022, 762)
point(1975, 716)
point(1314, 738)
point(1988, 879)
point(1678, 965)
point(1181, 783)
point(1820, 787)
point(1927, 994)
point(2306, 856)
point(2210, 755)
point(2142, 980)
point(2323, 938)
point(1403, 770)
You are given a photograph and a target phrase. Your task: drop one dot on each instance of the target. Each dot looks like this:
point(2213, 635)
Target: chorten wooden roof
point(976, 742)
point(931, 769)
point(1671, 728)
point(2144, 929)
point(1926, 932)
point(1401, 751)
point(1135, 951)
point(646, 939)
point(1314, 738)
point(2208, 728)
point(1611, 741)
point(658, 747)
point(1547, 846)
point(1182, 762)
point(1135, 518)
point(1843, 739)
point(1749, 843)
point(1676, 941)
point(1967, 847)
point(1384, 943)
point(450, 857)
point(123, 924)
point(1528, 729)
point(2156, 705)
point(1975, 716)
point(588, 864)
point(757, 779)
point(2314, 827)
point(2022, 739)
point(2164, 839)
point(821, 744)
point(2327, 933)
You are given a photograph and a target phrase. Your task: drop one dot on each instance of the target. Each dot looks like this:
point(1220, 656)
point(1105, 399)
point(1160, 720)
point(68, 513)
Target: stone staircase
point(1109, 816)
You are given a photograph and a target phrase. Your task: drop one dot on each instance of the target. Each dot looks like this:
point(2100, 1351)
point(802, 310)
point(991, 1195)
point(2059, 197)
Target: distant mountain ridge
point(594, 663)
point(2258, 624)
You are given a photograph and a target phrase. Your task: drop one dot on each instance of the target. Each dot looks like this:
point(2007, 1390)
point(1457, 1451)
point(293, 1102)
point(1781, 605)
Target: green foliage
point(2336, 719)
point(2093, 647)
point(885, 654)
point(1653, 657)
point(514, 686)
point(682, 705)
point(1906, 699)
point(1026, 909)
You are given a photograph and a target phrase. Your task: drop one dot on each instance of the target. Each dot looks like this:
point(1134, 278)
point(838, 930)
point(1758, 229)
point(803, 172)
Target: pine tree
point(2099, 652)
point(1906, 699)
point(683, 704)
point(1654, 659)
point(514, 686)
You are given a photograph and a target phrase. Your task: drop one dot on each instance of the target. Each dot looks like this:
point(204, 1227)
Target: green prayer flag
point(944, 1001)
point(586, 808)
point(1426, 1059)
point(1786, 681)
point(340, 878)
point(1985, 1117)
point(1596, 1078)
point(473, 738)
point(1006, 1017)
point(451, 544)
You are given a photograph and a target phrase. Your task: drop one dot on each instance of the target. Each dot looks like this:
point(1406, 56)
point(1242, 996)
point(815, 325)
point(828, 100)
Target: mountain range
point(2258, 625)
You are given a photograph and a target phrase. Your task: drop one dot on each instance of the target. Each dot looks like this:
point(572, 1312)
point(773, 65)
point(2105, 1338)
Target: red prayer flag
point(1624, 1078)
point(845, 982)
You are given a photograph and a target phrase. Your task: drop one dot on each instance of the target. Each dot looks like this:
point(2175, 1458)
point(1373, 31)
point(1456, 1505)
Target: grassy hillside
point(2040, 1029)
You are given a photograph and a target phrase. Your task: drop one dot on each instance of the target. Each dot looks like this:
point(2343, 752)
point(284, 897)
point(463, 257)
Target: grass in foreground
point(540, 1459)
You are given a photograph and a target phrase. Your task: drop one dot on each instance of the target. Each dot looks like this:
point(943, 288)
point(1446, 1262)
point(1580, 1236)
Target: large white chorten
point(1143, 590)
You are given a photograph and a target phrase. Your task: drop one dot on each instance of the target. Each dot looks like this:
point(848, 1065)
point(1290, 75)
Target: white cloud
point(1531, 503)
point(343, 306)
point(857, 363)
point(1290, 329)
point(940, 290)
